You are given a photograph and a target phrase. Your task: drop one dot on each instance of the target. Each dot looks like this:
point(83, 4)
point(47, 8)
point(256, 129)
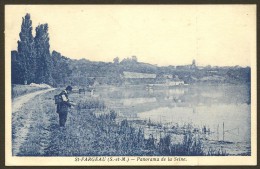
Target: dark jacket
point(65, 104)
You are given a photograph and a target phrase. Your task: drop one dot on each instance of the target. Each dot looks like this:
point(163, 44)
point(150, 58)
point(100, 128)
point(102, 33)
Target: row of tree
point(33, 62)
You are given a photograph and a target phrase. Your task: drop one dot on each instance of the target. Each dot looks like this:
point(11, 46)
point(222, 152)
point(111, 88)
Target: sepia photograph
point(104, 85)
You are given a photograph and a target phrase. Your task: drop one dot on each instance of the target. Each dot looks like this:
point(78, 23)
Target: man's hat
point(69, 88)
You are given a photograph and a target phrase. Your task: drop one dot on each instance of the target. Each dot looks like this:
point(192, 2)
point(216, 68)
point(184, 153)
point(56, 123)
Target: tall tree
point(44, 61)
point(17, 72)
point(26, 50)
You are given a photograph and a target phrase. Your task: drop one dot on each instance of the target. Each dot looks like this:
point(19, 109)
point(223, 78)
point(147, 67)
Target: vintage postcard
point(130, 85)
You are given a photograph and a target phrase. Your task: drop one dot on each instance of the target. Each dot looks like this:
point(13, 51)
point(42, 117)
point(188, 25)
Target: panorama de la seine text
point(127, 159)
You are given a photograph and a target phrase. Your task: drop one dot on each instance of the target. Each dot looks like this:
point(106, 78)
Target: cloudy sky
point(158, 34)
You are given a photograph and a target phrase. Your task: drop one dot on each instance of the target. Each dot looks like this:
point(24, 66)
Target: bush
point(190, 146)
point(90, 103)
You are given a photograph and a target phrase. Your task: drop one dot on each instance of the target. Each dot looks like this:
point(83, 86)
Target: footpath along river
point(21, 132)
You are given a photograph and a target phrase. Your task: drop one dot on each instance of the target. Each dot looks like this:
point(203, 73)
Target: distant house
point(175, 81)
point(137, 78)
point(168, 76)
point(183, 67)
point(135, 75)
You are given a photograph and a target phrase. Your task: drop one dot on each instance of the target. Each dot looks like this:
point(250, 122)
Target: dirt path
point(21, 119)
point(18, 102)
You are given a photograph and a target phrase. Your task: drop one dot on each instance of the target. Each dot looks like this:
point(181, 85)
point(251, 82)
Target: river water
point(225, 109)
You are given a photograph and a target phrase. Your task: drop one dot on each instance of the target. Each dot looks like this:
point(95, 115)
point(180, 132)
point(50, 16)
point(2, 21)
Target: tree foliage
point(61, 70)
point(32, 62)
point(44, 61)
point(26, 52)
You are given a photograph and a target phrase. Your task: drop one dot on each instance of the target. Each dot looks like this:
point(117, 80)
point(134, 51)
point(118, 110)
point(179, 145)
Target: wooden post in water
point(223, 132)
point(218, 132)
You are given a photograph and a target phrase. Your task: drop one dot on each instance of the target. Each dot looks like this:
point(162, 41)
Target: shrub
point(190, 146)
point(90, 103)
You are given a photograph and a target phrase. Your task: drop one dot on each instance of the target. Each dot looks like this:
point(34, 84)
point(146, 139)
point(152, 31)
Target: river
point(224, 109)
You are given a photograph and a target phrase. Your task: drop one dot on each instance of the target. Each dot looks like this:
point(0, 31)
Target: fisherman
point(64, 105)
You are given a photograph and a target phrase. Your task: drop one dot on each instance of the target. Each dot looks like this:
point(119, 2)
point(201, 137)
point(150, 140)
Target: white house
point(135, 75)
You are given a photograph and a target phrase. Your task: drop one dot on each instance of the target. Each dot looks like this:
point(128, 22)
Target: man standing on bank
point(64, 105)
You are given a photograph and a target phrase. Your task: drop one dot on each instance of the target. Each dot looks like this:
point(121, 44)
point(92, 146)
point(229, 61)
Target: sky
point(217, 35)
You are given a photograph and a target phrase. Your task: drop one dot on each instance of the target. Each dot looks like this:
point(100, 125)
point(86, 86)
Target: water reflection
point(209, 105)
point(234, 117)
point(135, 101)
